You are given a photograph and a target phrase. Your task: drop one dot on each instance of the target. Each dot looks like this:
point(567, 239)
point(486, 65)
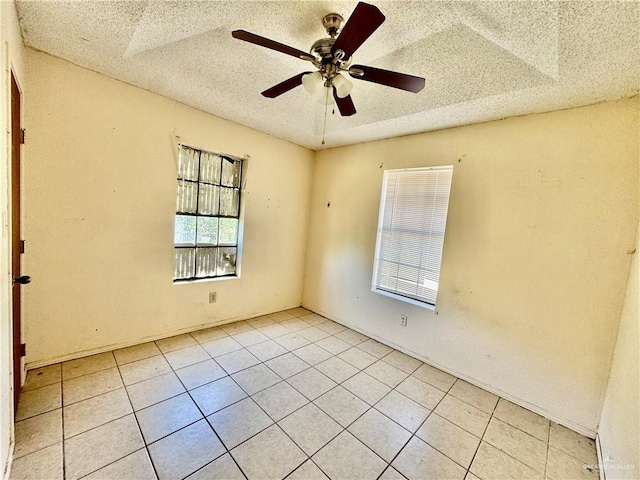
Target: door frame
point(15, 249)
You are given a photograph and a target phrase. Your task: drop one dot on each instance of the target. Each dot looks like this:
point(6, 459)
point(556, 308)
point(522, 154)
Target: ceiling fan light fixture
point(326, 96)
point(343, 86)
point(312, 82)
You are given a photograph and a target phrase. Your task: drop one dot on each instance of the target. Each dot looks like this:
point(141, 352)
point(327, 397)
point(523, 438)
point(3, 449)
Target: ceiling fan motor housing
point(322, 49)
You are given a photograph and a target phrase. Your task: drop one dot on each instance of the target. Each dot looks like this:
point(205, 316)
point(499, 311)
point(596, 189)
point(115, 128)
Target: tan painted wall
point(619, 429)
point(100, 209)
point(11, 59)
point(542, 212)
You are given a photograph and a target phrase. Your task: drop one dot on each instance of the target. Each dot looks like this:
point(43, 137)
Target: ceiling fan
point(332, 55)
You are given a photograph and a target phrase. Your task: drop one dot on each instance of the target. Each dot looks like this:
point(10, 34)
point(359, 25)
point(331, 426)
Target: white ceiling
point(482, 60)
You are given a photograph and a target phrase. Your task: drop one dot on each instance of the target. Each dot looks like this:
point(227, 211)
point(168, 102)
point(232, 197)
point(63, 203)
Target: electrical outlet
point(403, 320)
point(213, 297)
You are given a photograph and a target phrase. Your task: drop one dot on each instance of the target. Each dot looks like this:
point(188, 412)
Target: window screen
point(413, 215)
point(207, 215)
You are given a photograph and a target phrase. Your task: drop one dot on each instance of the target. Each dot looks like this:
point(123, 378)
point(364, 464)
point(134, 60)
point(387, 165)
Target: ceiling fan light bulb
point(312, 82)
point(343, 86)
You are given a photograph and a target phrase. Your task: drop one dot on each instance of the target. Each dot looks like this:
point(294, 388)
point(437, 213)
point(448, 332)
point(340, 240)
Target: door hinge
point(22, 135)
point(23, 349)
point(21, 246)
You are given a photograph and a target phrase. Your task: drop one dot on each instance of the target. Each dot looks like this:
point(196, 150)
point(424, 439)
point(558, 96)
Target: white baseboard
point(582, 430)
point(115, 346)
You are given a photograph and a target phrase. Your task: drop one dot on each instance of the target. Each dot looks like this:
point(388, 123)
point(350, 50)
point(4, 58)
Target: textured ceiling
point(481, 60)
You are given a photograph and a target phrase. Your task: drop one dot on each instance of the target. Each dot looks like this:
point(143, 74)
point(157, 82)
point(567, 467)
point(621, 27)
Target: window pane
point(208, 199)
point(230, 173)
point(207, 214)
point(228, 231)
point(184, 263)
point(186, 197)
point(387, 275)
point(185, 230)
point(226, 260)
point(206, 262)
point(229, 201)
point(210, 167)
point(207, 231)
point(188, 163)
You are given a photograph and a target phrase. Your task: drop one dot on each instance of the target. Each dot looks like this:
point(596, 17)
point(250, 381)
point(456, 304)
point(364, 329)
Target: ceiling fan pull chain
point(326, 107)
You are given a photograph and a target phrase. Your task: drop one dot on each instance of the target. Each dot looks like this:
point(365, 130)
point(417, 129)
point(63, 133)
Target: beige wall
point(11, 59)
point(100, 209)
point(619, 428)
point(542, 212)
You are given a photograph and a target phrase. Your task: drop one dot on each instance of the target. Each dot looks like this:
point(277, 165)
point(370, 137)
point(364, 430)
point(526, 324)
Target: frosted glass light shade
point(326, 96)
point(312, 82)
point(343, 86)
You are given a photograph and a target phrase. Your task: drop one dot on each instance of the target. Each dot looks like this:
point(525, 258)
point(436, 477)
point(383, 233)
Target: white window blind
point(411, 224)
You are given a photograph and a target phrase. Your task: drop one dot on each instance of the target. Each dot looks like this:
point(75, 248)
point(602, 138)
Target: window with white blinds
point(411, 224)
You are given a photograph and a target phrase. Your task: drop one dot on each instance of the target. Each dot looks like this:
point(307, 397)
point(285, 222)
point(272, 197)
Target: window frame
point(240, 217)
point(380, 228)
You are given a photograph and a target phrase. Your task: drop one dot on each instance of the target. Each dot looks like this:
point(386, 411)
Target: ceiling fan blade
point(364, 20)
point(273, 45)
point(402, 81)
point(345, 105)
point(284, 87)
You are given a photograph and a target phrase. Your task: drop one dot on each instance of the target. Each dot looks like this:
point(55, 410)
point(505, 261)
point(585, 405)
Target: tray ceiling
point(481, 60)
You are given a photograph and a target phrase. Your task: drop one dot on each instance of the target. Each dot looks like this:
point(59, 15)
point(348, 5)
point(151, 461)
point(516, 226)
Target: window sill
point(205, 280)
point(412, 301)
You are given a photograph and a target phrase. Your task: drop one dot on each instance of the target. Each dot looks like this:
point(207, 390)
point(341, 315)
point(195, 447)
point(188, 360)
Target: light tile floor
point(291, 395)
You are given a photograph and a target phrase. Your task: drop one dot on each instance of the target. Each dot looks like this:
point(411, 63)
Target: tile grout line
point(62, 407)
point(308, 402)
point(133, 412)
point(548, 449)
point(523, 432)
point(204, 417)
point(414, 434)
point(123, 416)
point(482, 437)
point(458, 426)
point(275, 422)
point(39, 413)
point(308, 457)
point(260, 406)
point(370, 407)
point(377, 359)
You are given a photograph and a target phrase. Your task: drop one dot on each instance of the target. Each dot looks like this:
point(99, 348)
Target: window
point(207, 224)
point(413, 215)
